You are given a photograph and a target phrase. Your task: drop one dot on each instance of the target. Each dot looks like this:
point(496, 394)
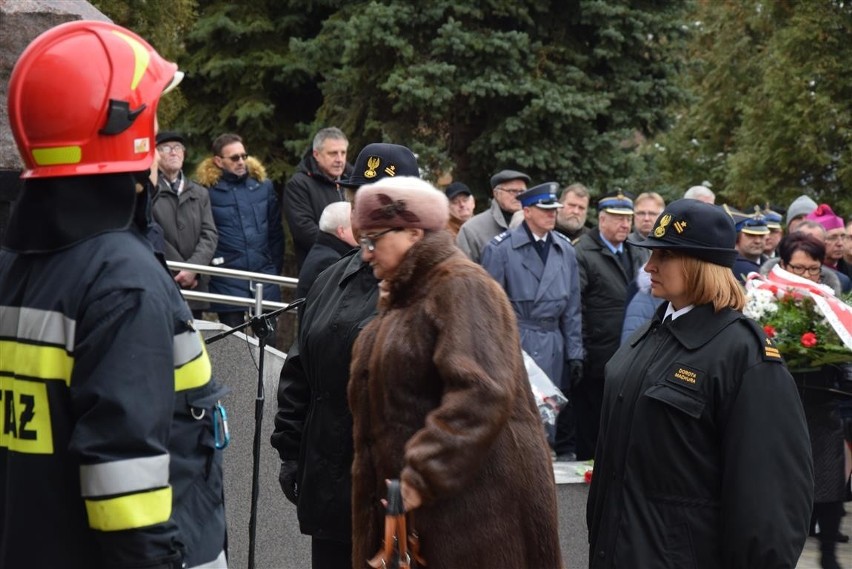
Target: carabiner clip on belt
point(221, 434)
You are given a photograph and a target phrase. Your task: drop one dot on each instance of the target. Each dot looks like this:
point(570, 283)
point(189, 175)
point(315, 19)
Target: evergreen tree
point(770, 113)
point(558, 89)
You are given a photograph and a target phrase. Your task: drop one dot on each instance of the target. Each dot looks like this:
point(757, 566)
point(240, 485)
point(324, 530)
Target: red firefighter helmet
point(83, 100)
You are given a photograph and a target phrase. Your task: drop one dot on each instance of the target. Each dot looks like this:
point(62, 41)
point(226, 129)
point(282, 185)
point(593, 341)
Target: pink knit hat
point(402, 201)
point(825, 217)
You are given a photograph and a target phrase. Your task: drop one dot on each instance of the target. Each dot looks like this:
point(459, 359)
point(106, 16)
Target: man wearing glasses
point(248, 218)
point(646, 209)
point(182, 208)
point(475, 234)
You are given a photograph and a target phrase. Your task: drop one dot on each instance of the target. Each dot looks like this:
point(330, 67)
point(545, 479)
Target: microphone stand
point(262, 325)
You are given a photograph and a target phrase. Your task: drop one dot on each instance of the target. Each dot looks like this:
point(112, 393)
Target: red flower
point(809, 339)
point(587, 476)
point(769, 330)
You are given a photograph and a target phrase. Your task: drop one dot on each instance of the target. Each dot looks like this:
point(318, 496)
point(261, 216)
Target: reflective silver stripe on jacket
point(37, 325)
point(218, 563)
point(187, 347)
point(124, 476)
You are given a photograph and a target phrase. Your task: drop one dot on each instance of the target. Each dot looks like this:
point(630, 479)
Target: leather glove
point(287, 480)
point(575, 372)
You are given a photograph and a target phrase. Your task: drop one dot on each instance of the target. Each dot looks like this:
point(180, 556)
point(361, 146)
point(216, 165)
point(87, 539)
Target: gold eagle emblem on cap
point(660, 230)
point(373, 162)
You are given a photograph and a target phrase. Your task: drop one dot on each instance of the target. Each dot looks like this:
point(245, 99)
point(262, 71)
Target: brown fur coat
point(440, 398)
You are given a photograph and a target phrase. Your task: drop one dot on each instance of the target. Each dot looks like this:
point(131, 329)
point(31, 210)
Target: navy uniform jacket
point(703, 458)
point(546, 297)
point(103, 379)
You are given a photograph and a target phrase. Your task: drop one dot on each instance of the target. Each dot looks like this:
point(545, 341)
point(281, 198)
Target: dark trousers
point(232, 319)
point(828, 516)
point(565, 440)
point(588, 398)
point(331, 554)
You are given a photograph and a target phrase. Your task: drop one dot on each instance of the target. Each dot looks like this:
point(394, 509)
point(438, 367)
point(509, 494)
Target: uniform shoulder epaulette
point(769, 350)
point(499, 238)
point(563, 237)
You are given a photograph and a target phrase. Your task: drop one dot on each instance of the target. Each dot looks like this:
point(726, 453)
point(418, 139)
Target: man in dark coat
point(248, 218)
point(315, 184)
point(334, 240)
point(313, 426)
point(608, 265)
point(182, 208)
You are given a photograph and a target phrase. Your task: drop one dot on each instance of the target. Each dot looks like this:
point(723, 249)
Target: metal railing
point(257, 305)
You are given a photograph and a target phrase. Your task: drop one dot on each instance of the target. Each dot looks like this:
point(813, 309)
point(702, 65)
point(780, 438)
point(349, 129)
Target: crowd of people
point(408, 361)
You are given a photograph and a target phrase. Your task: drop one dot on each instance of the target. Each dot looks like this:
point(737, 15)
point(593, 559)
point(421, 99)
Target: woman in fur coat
point(450, 415)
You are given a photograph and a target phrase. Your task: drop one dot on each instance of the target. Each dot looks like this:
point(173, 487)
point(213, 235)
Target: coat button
point(601, 554)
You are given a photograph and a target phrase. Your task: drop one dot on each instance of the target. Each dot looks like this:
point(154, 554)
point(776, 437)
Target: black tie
point(625, 262)
point(542, 247)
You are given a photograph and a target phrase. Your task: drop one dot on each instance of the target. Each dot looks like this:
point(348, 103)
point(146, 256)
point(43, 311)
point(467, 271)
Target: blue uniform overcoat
point(545, 296)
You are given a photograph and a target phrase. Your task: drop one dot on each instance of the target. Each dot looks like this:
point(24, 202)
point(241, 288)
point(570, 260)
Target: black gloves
point(575, 372)
point(287, 480)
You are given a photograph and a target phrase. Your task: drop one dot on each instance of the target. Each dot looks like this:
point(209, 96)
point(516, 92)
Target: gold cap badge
point(660, 230)
point(373, 162)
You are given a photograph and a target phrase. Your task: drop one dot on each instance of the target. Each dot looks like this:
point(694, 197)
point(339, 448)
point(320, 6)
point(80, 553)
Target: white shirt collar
point(675, 314)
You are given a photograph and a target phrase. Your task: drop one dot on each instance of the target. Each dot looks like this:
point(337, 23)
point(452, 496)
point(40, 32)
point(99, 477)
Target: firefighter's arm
point(122, 395)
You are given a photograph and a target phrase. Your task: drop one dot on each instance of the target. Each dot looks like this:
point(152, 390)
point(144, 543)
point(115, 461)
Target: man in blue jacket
point(248, 218)
point(537, 268)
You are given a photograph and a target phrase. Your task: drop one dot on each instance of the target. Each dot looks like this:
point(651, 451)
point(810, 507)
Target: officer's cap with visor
point(695, 229)
point(542, 196)
point(617, 203)
point(750, 224)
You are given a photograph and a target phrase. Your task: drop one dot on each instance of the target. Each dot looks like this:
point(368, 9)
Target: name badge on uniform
point(685, 376)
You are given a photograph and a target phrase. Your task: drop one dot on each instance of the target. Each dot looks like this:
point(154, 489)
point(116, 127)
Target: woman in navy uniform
point(703, 458)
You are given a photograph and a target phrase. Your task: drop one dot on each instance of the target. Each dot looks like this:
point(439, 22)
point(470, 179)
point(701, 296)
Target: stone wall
point(20, 22)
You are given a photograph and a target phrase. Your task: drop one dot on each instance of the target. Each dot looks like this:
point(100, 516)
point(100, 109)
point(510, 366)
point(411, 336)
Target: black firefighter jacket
point(313, 424)
point(107, 455)
point(703, 459)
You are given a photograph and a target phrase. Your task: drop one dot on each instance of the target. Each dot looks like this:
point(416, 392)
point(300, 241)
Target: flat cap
point(170, 136)
point(506, 175)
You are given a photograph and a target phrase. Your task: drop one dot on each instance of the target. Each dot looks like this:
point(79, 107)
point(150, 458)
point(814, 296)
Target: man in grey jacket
point(476, 232)
point(182, 208)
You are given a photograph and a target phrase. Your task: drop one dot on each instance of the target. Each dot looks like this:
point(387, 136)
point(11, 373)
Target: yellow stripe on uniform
point(25, 425)
point(130, 512)
point(194, 373)
point(29, 360)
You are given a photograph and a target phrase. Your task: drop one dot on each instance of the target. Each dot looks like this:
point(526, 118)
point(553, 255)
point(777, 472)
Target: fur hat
point(403, 201)
point(825, 217)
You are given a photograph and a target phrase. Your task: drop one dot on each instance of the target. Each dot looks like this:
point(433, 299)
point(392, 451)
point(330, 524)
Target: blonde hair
point(711, 283)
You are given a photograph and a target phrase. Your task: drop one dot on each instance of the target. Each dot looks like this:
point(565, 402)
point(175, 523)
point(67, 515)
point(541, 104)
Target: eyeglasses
point(653, 214)
point(236, 157)
point(837, 237)
point(801, 270)
point(171, 148)
point(515, 193)
point(368, 242)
